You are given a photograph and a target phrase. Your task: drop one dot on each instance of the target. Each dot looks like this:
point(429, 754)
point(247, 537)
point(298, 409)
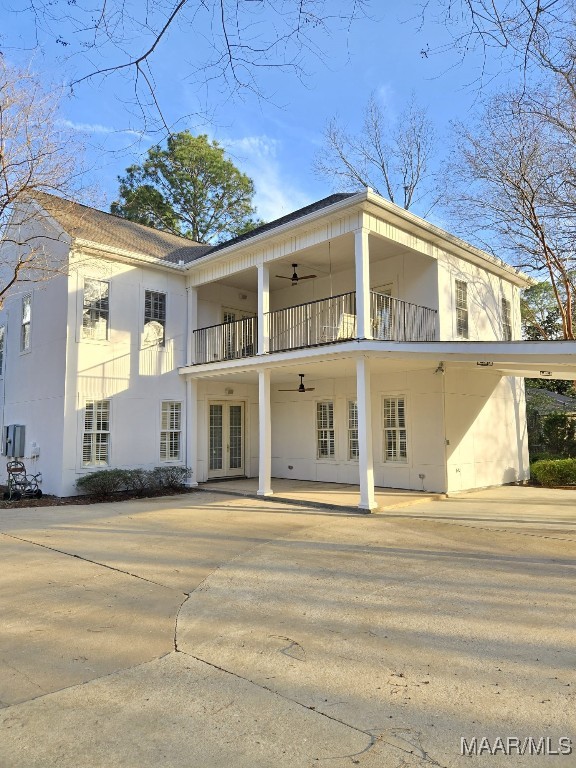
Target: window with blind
point(2, 336)
point(171, 431)
point(325, 442)
point(26, 323)
point(395, 440)
point(96, 437)
point(95, 309)
point(461, 309)
point(353, 449)
point(154, 317)
point(506, 320)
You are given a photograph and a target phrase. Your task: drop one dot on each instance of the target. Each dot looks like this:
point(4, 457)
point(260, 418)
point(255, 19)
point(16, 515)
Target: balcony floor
point(310, 493)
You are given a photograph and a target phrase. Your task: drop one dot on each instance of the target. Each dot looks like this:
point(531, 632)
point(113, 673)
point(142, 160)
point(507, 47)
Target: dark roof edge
point(298, 214)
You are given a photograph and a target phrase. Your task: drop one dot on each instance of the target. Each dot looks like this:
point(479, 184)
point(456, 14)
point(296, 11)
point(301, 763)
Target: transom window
point(171, 431)
point(461, 309)
point(26, 323)
point(353, 449)
point(395, 441)
point(96, 309)
point(154, 317)
point(96, 437)
point(325, 442)
point(506, 320)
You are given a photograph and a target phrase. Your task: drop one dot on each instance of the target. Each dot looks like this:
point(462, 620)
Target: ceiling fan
point(301, 388)
point(295, 278)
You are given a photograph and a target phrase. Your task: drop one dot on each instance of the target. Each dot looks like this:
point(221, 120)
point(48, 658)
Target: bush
point(551, 472)
point(107, 481)
point(169, 477)
point(102, 483)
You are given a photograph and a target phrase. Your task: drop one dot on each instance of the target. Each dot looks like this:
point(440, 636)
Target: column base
point(368, 507)
point(264, 493)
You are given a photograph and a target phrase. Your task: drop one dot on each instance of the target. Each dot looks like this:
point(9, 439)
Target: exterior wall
point(134, 377)
point(485, 293)
point(294, 432)
point(486, 428)
point(32, 382)
point(214, 296)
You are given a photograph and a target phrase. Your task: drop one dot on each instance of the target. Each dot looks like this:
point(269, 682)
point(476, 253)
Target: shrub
point(169, 477)
point(107, 481)
point(103, 482)
point(138, 480)
point(551, 472)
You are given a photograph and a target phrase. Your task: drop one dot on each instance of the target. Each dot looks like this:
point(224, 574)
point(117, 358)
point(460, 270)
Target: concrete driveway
point(206, 630)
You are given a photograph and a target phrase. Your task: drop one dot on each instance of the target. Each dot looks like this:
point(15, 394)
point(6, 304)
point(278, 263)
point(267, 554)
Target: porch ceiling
point(335, 255)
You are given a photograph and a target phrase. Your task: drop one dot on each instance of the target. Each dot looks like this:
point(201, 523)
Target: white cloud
point(97, 128)
point(276, 195)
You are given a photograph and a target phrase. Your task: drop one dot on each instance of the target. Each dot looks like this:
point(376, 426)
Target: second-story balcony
point(325, 321)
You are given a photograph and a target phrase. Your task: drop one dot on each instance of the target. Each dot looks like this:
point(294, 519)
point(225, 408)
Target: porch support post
point(263, 309)
point(362, 261)
point(365, 459)
point(265, 435)
point(192, 429)
point(192, 314)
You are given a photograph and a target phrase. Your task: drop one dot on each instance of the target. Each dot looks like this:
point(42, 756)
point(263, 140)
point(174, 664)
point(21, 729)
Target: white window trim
point(327, 459)
point(351, 459)
point(29, 347)
point(180, 460)
point(3, 350)
point(403, 463)
point(459, 335)
point(510, 324)
point(86, 339)
point(83, 431)
point(159, 346)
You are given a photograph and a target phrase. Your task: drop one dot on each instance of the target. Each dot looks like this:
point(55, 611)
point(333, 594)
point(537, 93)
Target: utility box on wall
point(14, 441)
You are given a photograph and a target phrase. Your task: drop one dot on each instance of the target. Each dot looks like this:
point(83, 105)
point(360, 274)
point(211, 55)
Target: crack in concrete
point(84, 559)
point(373, 739)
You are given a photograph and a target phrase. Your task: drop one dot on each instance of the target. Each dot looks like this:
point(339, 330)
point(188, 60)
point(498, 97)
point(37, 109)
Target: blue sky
point(273, 139)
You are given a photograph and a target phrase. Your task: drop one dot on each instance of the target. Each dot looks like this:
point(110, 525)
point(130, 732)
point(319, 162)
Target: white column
point(264, 434)
point(192, 317)
point(365, 459)
point(192, 429)
point(263, 309)
point(362, 261)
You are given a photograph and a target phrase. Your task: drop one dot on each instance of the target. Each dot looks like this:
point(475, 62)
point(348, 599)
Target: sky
point(273, 135)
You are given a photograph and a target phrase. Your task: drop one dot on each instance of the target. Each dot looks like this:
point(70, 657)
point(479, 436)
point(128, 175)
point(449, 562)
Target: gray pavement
point(202, 630)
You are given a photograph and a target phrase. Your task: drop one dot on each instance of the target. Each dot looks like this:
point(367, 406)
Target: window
point(325, 430)
point(26, 321)
point(95, 310)
point(353, 450)
point(506, 320)
point(2, 333)
point(395, 429)
point(154, 318)
point(96, 438)
point(461, 309)
point(170, 431)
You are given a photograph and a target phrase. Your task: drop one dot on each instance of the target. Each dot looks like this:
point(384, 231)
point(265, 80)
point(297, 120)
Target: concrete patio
point(323, 495)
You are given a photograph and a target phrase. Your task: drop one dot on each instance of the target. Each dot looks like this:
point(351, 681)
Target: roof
point(549, 401)
point(81, 221)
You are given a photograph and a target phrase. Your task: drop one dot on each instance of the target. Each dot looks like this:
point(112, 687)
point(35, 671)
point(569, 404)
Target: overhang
point(526, 359)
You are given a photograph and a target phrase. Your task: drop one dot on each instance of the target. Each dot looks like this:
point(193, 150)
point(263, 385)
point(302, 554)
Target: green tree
point(189, 188)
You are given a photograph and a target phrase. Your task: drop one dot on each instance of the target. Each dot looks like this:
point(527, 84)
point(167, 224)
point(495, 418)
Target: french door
point(226, 439)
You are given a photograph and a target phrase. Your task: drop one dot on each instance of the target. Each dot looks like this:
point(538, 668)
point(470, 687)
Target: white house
point(148, 348)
